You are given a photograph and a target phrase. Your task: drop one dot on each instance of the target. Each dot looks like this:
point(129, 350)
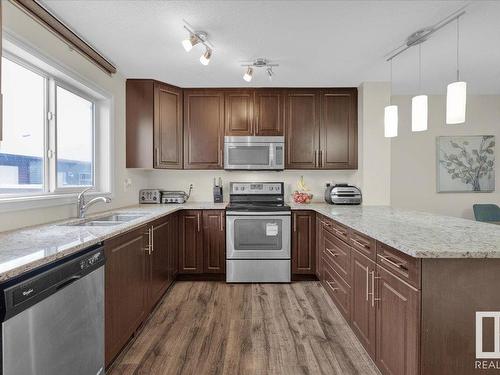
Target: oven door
point(258, 235)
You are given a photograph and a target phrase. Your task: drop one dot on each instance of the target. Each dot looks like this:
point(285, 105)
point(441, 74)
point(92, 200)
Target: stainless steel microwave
point(254, 153)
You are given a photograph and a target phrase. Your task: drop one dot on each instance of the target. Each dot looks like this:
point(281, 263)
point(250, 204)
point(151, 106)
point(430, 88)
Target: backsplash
point(203, 181)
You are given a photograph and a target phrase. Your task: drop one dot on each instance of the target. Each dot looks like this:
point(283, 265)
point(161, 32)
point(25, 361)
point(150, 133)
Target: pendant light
point(391, 115)
point(419, 102)
point(456, 93)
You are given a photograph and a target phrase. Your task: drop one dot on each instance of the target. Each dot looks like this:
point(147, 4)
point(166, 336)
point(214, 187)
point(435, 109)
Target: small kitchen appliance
point(342, 194)
point(258, 233)
point(178, 197)
point(254, 153)
point(150, 196)
point(218, 196)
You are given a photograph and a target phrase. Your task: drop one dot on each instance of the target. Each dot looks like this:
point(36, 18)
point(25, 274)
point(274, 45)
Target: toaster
point(149, 196)
point(342, 194)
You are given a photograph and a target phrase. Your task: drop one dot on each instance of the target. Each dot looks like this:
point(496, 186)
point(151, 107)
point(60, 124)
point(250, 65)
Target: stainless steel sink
point(109, 220)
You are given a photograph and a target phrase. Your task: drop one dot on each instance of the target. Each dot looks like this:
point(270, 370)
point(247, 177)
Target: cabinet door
point(398, 324)
point(302, 112)
point(125, 289)
point(339, 129)
point(268, 112)
point(363, 302)
point(303, 242)
point(203, 129)
point(238, 106)
point(214, 241)
point(168, 127)
point(159, 259)
point(190, 242)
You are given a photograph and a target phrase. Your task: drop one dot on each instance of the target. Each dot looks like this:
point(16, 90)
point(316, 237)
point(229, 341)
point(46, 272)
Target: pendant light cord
point(390, 75)
point(458, 48)
point(420, 68)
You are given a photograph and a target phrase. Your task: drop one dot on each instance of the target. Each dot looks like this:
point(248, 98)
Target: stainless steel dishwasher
point(53, 318)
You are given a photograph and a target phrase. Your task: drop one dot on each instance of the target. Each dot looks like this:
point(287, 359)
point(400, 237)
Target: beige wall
point(413, 159)
point(18, 23)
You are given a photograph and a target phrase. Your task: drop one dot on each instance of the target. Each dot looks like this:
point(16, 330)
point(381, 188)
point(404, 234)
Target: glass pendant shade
point(248, 74)
point(391, 121)
point(205, 58)
point(419, 113)
point(190, 42)
point(456, 97)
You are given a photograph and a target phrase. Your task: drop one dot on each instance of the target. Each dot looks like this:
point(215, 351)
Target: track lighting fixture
point(258, 63)
point(248, 74)
point(205, 58)
point(198, 37)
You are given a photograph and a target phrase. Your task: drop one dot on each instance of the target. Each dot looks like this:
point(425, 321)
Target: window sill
point(42, 201)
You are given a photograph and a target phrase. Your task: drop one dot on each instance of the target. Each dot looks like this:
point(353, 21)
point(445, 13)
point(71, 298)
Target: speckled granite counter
point(25, 249)
point(419, 234)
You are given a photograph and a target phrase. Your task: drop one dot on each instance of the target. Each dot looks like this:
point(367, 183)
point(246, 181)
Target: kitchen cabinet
point(126, 284)
point(154, 125)
point(269, 112)
point(338, 147)
point(363, 276)
point(203, 129)
point(321, 128)
point(302, 118)
point(303, 243)
point(190, 241)
point(239, 112)
point(398, 325)
point(214, 241)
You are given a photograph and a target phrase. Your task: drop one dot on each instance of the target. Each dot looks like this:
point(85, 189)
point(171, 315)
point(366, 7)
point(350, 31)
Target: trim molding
point(47, 19)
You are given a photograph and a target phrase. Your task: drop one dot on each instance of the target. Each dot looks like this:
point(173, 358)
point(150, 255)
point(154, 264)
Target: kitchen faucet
point(82, 206)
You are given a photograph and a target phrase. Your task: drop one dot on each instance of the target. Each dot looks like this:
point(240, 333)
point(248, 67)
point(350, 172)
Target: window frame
point(21, 52)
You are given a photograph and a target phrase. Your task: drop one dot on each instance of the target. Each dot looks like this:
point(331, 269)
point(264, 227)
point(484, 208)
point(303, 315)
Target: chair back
point(486, 212)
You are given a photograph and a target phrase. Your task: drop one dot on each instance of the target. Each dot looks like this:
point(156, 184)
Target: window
point(49, 133)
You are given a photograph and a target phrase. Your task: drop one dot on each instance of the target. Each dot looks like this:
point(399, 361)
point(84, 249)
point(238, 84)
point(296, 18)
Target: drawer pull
point(393, 263)
point(331, 284)
point(373, 289)
point(334, 254)
point(360, 244)
point(367, 283)
point(339, 233)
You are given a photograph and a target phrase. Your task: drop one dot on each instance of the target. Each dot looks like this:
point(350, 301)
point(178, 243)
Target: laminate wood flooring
point(256, 329)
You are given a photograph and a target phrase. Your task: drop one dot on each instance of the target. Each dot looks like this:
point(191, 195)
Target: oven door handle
point(256, 213)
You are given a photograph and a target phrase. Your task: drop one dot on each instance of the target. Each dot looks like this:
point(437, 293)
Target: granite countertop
point(419, 234)
point(25, 249)
point(416, 233)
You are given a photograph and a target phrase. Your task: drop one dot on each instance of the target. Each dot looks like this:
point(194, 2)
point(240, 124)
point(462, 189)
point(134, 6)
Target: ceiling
point(316, 43)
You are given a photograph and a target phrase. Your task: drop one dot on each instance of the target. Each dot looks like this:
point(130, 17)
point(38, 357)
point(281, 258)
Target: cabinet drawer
point(338, 254)
point(335, 228)
point(364, 244)
point(337, 289)
point(400, 264)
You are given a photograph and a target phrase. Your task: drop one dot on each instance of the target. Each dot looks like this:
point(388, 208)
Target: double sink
point(109, 220)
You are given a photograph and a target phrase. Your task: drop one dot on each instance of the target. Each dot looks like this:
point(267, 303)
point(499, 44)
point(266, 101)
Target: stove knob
point(271, 188)
point(242, 188)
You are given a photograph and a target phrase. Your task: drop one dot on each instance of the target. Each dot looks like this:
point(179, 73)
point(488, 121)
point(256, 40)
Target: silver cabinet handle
point(360, 244)
point(367, 282)
point(152, 240)
point(157, 150)
point(221, 224)
point(295, 222)
point(331, 283)
point(373, 289)
point(334, 254)
point(198, 219)
point(397, 265)
point(340, 233)
point(320, 161)
point(148, 246)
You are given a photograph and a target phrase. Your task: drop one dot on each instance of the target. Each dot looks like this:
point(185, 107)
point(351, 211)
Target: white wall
point(373, 175)
point(24, 27)
point(413, 159)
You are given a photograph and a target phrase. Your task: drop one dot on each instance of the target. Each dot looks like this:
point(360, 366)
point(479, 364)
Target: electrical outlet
point(127, 184)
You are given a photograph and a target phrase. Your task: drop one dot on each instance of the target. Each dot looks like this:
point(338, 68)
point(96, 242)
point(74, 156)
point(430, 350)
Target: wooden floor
point(262, 329)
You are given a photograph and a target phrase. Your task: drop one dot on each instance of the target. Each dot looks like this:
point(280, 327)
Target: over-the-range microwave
point(254, 153)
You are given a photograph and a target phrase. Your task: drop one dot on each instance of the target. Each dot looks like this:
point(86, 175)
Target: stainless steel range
point(258, 233)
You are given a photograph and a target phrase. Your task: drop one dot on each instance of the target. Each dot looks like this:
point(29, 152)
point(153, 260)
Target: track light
point(258, 63)
point(248, 74)
point(190, 42)
point(205, 58)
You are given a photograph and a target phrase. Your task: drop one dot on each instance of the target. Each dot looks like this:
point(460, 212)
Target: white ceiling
point(316, 43)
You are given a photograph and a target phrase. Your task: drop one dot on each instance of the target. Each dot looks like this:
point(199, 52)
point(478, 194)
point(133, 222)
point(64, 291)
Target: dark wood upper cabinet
point(190, 241)
point(214, 241)
point(203, 129)
point(339, 129)
point(302, 119)
point(168, 127)
point(239, 119)
point(269, 112)
point(154, 124)
point(398, 325)
point(304, 242)
point(126, 288)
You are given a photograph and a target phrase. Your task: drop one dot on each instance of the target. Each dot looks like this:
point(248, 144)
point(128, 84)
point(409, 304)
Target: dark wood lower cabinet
point(126, 284)
point(303, 242)
point(214, 241)
point(398, 325)
point(190, 241)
